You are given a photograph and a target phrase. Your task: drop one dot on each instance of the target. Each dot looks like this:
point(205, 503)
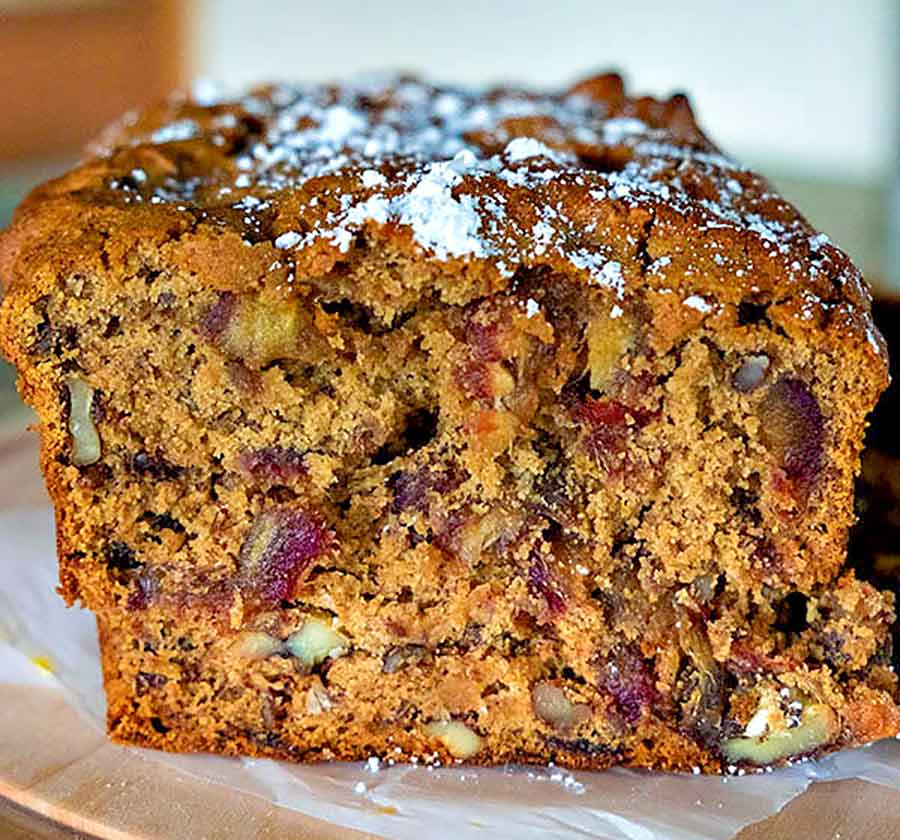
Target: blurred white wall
point(807, 86)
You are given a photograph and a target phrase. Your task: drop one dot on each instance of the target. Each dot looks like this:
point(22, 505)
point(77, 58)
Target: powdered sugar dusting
point(697, 302)
point(514, 177)
point(523, 148)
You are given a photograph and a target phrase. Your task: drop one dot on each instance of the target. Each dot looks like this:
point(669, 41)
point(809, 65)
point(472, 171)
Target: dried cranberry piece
point(607, 428)
point(474, 378)
point(602, 413)
point(146, 681)
point(746, 658)
point(219, 316)
point(626, 676)
point(144, 591)
point(484, 336)
point(793, 429)
point(281, 544)
point(156, 466)
point(273, 464)
point(411, 488)
point(541, 583)
point(446, 527)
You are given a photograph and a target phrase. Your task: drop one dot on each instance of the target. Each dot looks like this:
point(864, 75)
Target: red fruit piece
point(411, 488)
point(484, 335)
point(607, 429)
point(627, 677)
point(597, 413)
point(474, 378)
point(281, 544)
point(144, 591)
point(792, 428)
point(273, 464)
point(542, 584)
point(219, 317)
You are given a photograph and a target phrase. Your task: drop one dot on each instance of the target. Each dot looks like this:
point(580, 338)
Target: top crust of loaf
point(285, 182)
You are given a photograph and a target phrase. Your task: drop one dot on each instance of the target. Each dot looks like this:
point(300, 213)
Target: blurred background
point(805, 90)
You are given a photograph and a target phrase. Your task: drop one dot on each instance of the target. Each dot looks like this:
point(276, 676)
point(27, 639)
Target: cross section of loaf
point(447, 424)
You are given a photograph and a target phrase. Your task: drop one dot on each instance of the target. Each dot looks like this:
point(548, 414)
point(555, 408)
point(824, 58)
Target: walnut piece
point(552, 706)
point(607, 338)
point(317, 698)
point(460, 741)
point(816, 727)
point(85, 439)
point(315, 642)
point(255, 646)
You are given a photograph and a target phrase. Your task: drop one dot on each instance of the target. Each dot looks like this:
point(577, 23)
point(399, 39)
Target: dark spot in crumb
point(145, 588)
point(145, 682)
point(120, 556)
point(95, 476)
point(791, 613)
point(419, 429)
point(43, 341)
point(765, 556)
point(242, 377)
point(403, 657)
point(113, 327)
point(155, 466)
point(219, 316)
point(752, 312)
point(578, 746)
point(158, 725)
point(746, 502)
point(162, 522)
point(166, 300)
point(273, 464)
point(412, 488)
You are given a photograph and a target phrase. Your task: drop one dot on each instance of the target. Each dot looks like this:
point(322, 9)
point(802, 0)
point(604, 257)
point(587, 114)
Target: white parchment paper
point(405, 802)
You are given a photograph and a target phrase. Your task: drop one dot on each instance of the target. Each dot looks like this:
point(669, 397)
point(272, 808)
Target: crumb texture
point(453, 425)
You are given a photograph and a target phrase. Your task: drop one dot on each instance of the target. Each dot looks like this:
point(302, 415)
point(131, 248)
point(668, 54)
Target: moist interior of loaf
point(546, 521)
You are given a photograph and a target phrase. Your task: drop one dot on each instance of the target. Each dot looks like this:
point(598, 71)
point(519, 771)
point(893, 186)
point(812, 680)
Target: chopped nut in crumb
point(460, 741)
point(85, 439)
point(816, 727)
point(255, 645)
point(317, 698)
point(315, 642)
point(552, 706)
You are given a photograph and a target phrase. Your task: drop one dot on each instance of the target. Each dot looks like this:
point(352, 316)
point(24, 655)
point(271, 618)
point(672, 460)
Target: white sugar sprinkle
point(175, 131)
point(698, 303)
point(522, 148)
point(373, 178)
point(288, 239)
